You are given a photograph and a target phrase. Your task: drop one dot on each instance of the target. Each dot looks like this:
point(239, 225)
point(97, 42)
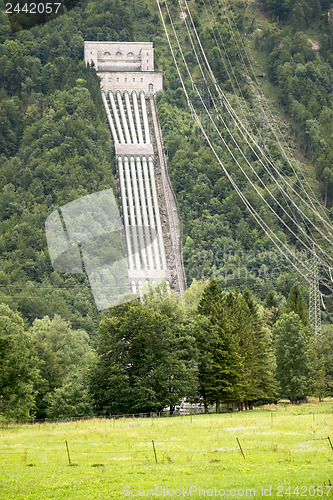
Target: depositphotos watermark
point(233, 264)
point(227, 254)
point(237, 272)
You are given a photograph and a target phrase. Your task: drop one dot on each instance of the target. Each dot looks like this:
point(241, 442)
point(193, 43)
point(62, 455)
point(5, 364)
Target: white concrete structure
point(129, 122)
point(149, 210)
point(124, 66)
point(120, 56)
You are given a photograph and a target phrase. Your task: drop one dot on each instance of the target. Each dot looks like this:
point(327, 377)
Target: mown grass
point(285, 446)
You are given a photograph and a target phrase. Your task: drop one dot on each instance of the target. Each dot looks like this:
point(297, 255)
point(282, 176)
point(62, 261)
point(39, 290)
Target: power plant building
point(151, 226)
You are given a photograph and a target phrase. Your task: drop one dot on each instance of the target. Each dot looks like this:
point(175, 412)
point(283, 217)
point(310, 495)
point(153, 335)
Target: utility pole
point(314, 296)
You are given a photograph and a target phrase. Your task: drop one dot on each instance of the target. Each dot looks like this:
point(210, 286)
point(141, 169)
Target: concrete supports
point(137, 117)
point(111, 124)
point(145, 117)
point(116, 118)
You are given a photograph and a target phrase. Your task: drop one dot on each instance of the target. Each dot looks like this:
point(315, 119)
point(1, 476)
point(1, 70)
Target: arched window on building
point(151, 88)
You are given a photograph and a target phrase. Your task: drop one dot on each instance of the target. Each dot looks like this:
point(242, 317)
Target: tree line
point(224, 350)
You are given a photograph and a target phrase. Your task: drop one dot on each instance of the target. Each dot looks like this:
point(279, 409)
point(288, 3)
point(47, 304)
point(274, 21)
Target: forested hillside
point(55, 147)
point(279, 80)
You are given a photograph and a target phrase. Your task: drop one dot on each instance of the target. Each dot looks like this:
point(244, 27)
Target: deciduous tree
point(18, 367)
point(291, 349)
point(146, 358)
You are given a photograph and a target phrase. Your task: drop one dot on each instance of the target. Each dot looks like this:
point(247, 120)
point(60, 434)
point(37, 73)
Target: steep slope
point(55, 146)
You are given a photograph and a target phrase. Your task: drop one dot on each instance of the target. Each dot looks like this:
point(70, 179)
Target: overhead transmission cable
point(262, 101)
point(225, 55)
point(265, 201)
point(225, 59)
point(235, 117)
point(313, 199)
point(271, 235)
point(256, 174)
point(253, 212)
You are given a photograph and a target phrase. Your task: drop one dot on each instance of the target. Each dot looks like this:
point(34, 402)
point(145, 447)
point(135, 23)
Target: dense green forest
point(55, 147)
point(220, 349)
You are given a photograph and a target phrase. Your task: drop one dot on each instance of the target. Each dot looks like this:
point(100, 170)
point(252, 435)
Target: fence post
point(329, 440)
point(154, 451)
point(240, 447)
point(69, 458)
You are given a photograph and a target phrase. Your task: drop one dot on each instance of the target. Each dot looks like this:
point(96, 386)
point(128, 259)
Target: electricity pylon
point(314, 297)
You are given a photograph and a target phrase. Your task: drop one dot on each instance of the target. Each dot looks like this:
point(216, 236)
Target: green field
point(283, 447)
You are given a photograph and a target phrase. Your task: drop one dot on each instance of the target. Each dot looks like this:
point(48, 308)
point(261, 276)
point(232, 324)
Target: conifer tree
point(271, 308)
point(218, 371)
point(235, 357)
point(261, 357)
point(295, 303)
point(326, 347)
point(317, 372)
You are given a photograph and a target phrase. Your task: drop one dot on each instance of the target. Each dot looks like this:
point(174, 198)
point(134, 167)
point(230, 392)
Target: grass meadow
point(287, 454)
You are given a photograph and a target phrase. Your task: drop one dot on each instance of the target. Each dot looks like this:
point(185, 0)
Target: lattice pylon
point(314, 296)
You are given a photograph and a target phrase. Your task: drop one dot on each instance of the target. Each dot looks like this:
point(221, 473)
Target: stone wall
point(130, 55)
point(150, 82)
point(124, 66)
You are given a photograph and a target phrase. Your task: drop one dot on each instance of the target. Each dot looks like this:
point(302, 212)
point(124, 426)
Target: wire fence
point(161, 414)
point(116, 440)
point(179, 411)
point(74, 452)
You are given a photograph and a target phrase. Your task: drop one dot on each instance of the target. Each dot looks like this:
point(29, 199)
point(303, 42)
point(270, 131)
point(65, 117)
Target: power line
point(264, 226)
point(279, 244)
point(263, 99)
point(313, 242)
point(262, 104)
point(240, 126)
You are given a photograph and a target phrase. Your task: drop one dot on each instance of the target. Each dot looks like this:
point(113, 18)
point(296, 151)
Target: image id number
point(33, 8)
point(304, 491)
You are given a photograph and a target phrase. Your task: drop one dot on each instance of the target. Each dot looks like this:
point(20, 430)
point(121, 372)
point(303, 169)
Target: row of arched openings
point(119, 54)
